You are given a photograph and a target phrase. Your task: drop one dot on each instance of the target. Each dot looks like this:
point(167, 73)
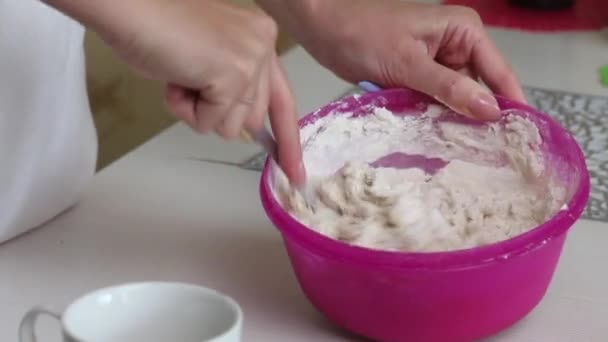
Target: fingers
point(269, 94)
point(203, 115)
point(455, 90)
point(284, 121)
point(255, 120)
point(251, 109)
point(231, 126)
point(249, 112)
point(182, 103)
point(214, 104)
point(467, 71)
point(224, 106)
point(494, 71)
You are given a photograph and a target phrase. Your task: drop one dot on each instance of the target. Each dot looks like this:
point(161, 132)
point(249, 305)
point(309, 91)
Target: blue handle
point(369, 86)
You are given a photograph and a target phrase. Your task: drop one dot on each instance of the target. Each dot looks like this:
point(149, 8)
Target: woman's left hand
point(439, 50)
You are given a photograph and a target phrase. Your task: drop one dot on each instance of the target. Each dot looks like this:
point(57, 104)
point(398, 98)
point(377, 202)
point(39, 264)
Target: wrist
point(296, 15)
point(105, 17)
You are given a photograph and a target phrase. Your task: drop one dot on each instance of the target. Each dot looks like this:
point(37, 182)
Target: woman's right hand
point(218, 60)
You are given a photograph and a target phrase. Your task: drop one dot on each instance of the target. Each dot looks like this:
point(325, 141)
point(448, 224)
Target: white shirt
point(48, 143)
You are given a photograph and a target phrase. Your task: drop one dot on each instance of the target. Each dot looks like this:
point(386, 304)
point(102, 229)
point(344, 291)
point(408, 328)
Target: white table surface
point(158, 215)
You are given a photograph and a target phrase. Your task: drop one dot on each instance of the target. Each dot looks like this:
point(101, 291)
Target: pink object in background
point(585, 15)
point(444, 296)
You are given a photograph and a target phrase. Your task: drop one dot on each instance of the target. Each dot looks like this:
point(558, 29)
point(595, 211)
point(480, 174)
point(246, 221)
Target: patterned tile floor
point(585, 116)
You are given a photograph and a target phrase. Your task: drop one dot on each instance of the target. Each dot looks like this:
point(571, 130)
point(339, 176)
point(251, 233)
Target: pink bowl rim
point(295, 232)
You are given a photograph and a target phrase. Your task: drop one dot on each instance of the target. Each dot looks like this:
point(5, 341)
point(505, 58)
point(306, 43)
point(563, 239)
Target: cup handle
point(27, 328)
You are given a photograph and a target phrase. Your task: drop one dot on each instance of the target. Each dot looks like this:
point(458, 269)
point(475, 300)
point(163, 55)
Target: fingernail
point(484, 107)
point(298, 177)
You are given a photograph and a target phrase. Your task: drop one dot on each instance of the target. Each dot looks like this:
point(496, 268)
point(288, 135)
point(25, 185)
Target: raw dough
point(493, 186)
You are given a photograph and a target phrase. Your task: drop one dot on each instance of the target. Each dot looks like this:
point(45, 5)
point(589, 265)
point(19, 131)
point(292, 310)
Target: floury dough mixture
point(477, 184)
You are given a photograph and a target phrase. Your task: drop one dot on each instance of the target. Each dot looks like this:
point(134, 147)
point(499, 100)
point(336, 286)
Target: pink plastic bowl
point(445, 296)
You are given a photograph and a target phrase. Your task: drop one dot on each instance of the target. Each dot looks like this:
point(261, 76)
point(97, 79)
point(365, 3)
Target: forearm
point(297, 17)
point(107, 16)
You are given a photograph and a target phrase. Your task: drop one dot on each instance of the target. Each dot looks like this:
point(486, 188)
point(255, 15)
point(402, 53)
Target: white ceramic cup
point(145, 312)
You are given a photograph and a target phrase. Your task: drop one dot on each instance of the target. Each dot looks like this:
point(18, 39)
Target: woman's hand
point(439, 50)
point(218, 60)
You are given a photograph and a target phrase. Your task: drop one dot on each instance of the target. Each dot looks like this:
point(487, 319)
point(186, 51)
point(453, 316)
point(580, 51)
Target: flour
point(445, 185)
